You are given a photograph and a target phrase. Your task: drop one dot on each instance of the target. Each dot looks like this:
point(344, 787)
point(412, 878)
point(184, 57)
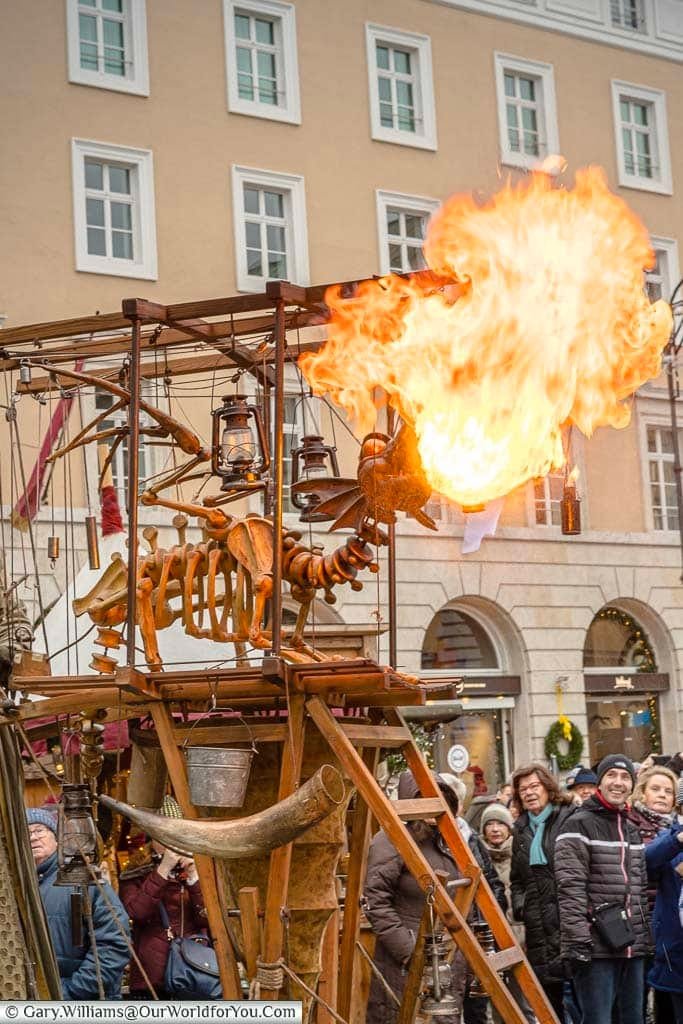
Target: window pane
point(267, 91)
point(406, 119)
point(112, 32)
point(404, 93)
point(415, 259)
point(93, 175)
point(667, 441)
point(245, 87)
point(414, 225)
point(395, 259)
point(112, 5)
point(122, 245)
point(382, 57)
point(87, 3)
point(121, 216)
point(243, 60)
point(527, 89)
point(94, 212)
point(89, 57)
point(87, 28)
point(274, 204)
point(253, 235)
point(402, 62)
point(651, 439)
point(113, 62)
point(640, 113)
point(277, 266)
point(119, 179)
point(254, 263)
point(386, 115)
point(265, 63)
point(513, 140)
point(509, 85)
point(393, 222)
point(275, 237)
point(251, 204)
point(265, 31)
point(96, 242)
point(654, 472)
point(241, 26)
point(511, 115)
point(384, 87)
point(625, 110)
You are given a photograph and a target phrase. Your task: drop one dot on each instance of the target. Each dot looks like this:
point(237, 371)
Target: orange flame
point(534, 318)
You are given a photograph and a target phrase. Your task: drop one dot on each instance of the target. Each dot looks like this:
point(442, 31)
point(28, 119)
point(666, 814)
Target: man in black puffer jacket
point(600, 861)
point(544, 811)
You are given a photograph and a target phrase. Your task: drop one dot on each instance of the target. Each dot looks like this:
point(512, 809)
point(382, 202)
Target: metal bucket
point(218, 776)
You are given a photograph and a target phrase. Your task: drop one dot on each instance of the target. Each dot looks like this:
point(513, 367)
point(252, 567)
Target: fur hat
point(457, 787)
point(37, 816)
point(616, 761)
point(496, 812)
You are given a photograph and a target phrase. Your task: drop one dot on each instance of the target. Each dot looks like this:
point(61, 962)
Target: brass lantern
point(570, 511)
point(309, 462)
point(76, 836)
point(237, 456)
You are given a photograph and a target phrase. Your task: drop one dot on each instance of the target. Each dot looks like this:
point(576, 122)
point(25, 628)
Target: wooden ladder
point(343, 738)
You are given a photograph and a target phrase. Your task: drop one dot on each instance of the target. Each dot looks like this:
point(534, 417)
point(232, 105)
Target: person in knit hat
point(78, 961)
point(601, 882)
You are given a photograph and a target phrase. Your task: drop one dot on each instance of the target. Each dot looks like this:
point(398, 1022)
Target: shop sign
point(458, 758)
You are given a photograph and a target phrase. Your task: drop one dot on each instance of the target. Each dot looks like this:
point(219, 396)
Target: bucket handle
point(212, 709)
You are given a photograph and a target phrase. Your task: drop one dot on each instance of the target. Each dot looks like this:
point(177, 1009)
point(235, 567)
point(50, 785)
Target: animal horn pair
point(244, 837)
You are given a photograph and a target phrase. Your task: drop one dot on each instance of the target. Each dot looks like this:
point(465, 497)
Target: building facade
point(182, 151)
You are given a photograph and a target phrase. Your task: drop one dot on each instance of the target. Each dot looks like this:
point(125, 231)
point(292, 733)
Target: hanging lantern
point(570, 510)
point(93, 546)
point(484, 936)
point(76, 836)
point(237, 457)
point(437, 979)
point(309, 462)
point(53, 549)
point(25, 371)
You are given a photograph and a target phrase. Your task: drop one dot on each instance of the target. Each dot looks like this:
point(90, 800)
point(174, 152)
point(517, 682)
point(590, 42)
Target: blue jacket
point(662, 855)
point(77, 963)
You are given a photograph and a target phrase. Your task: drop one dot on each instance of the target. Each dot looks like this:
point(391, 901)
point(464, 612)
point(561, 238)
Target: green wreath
point(573, 755)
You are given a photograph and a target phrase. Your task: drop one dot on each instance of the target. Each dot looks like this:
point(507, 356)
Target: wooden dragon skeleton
point(224, 582)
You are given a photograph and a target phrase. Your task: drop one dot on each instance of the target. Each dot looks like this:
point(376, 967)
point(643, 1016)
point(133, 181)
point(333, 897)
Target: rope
point(270, 976)
point(378, 974)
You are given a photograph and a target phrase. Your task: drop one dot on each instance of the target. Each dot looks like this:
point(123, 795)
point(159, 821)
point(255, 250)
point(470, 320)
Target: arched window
point(455, 640)
point(616, 640)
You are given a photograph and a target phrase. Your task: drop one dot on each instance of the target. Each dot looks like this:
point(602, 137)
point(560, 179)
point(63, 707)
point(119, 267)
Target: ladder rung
point(413, 810)
point(505, 958)
point(388, 737)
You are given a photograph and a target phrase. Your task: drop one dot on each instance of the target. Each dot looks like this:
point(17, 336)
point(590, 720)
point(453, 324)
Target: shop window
point(455, 640)
point(623, 725)
point(483, 734)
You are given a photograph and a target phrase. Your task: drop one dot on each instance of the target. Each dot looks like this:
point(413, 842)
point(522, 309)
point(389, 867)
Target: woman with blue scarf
point(543, 810)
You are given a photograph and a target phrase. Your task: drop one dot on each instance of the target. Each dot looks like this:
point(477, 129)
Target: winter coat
point(77, 963)
point(534, 898)
point(664, 857)
point(142, 890)
point(501, 858)
point(600, 858)
point(394, 904)
point(483, 858)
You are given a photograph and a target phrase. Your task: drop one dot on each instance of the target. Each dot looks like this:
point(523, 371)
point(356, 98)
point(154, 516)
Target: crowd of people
point(589, 874)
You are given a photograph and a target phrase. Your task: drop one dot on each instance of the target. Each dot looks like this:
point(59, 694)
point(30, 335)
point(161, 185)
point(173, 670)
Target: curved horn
point(244, 837)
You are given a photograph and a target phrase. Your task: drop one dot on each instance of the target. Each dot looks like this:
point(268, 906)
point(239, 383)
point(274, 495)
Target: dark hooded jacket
point(142, 890)
point(394, 904)
point(534, 899)
point(664, 857)
point(76, 964)
point(600, 858)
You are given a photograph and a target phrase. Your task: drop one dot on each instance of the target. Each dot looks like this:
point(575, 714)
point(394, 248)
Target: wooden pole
point(227, 964)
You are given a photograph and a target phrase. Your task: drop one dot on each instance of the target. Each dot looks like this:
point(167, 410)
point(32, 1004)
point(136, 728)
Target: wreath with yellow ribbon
point(563, 729)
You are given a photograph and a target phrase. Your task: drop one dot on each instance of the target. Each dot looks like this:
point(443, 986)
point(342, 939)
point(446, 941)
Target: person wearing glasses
point(77, 958)
point(543, 812)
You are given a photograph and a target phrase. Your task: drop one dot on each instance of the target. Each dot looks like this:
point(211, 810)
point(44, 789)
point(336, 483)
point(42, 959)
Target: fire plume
point(531, 318)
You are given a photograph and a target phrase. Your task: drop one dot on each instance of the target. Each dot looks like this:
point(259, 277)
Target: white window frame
point(284, 15)
point(656, 100)
point(410, 204)
point(135, 41)
point(548, 500)
point(669, 247)
point(642, 30)
point(144, 266)
point(421, 47)
point(549, 138)
point(296, 231)
point(655, 421)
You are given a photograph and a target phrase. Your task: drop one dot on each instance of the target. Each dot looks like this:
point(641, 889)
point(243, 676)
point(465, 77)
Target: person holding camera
point(162, 894)
point(602, 889)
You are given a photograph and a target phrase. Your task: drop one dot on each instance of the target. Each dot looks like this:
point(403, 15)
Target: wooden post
point(358, 855)
point(327, 985)
point(281, 857)
point(230, 979)
point(248, 902)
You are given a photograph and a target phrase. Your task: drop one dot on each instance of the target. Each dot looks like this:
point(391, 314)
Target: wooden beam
point(148, 371)
point(384, 737)
point(68, 703)
point(358, 857)
point(252, 937)
point(281, 857)
point(177, 771)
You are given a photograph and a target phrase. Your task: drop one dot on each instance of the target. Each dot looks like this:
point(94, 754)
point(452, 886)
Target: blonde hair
point(641, 784)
